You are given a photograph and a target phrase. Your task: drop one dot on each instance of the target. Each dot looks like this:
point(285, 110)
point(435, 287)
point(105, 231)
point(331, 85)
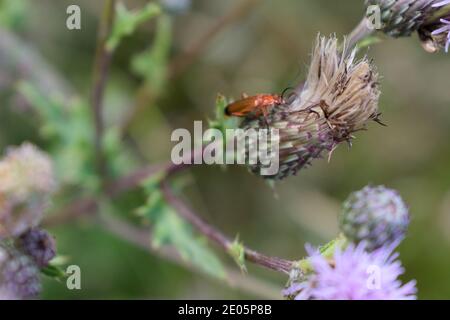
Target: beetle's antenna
point(290, 95)
point(286, 90)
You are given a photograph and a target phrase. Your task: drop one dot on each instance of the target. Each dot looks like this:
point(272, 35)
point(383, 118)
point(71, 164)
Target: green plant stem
point(140, 237)
point(360, 32)
point(101, 69)
point(216, 236)
point(89, 205)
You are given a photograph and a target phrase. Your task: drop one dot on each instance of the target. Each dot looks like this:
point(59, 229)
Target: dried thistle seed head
point(400, 18)
point(340, 89)
point(339, 97)
point(27, 180)
point(376, 216)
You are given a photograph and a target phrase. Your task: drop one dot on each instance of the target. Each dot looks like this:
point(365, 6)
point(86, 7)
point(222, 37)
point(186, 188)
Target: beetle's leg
point(310, 110)
point(265, 114)
point(330, 153)
point(377, 119)
point(322, 106)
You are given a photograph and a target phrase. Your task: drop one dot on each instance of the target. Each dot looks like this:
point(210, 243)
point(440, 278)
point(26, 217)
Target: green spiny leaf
point(169, 229)
point(68, 126)
point(127, 21)
point(54, 272)
point(222, 122)
point(60, 260)
point(50, 111)
point(237, 251)
point(368, 41)
point(327, 251)
point(118, 159)
point(152, 183)
point(152, 63)
point(153, 207)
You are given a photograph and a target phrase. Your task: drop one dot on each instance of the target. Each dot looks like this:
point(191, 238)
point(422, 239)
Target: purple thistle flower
point(354, 274)
point(444, 29)
point(435, 32)
point(441, 4)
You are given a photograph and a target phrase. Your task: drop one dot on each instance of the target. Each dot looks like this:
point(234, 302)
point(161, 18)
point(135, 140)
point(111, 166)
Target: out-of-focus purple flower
point(39, 245)
point(376, 215)
point(354, 274)
point(19, 275)
point(7, 295)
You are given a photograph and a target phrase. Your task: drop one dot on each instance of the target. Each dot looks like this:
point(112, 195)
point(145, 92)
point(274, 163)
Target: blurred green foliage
point(13, 14)
point(69, 128)
point(152, 63)
point(169, 229)
point(127, 21)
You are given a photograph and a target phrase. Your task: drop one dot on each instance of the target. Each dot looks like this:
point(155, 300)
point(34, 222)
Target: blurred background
point(206, 47)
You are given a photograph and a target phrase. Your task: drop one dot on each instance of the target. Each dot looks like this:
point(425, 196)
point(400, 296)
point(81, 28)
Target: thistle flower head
point(39, 245)
point(436, 35)
point(374, 215)
point(400, 18)
point(339, 97)
point(27, 181)
point(19, 275)
point(354, 274)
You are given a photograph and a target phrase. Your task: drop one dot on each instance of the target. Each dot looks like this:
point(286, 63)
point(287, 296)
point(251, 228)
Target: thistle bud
point(27, 181)
point(376, 216)
point(400, 18)
point(19, 274)
point(339, 97)
point(39, 245)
